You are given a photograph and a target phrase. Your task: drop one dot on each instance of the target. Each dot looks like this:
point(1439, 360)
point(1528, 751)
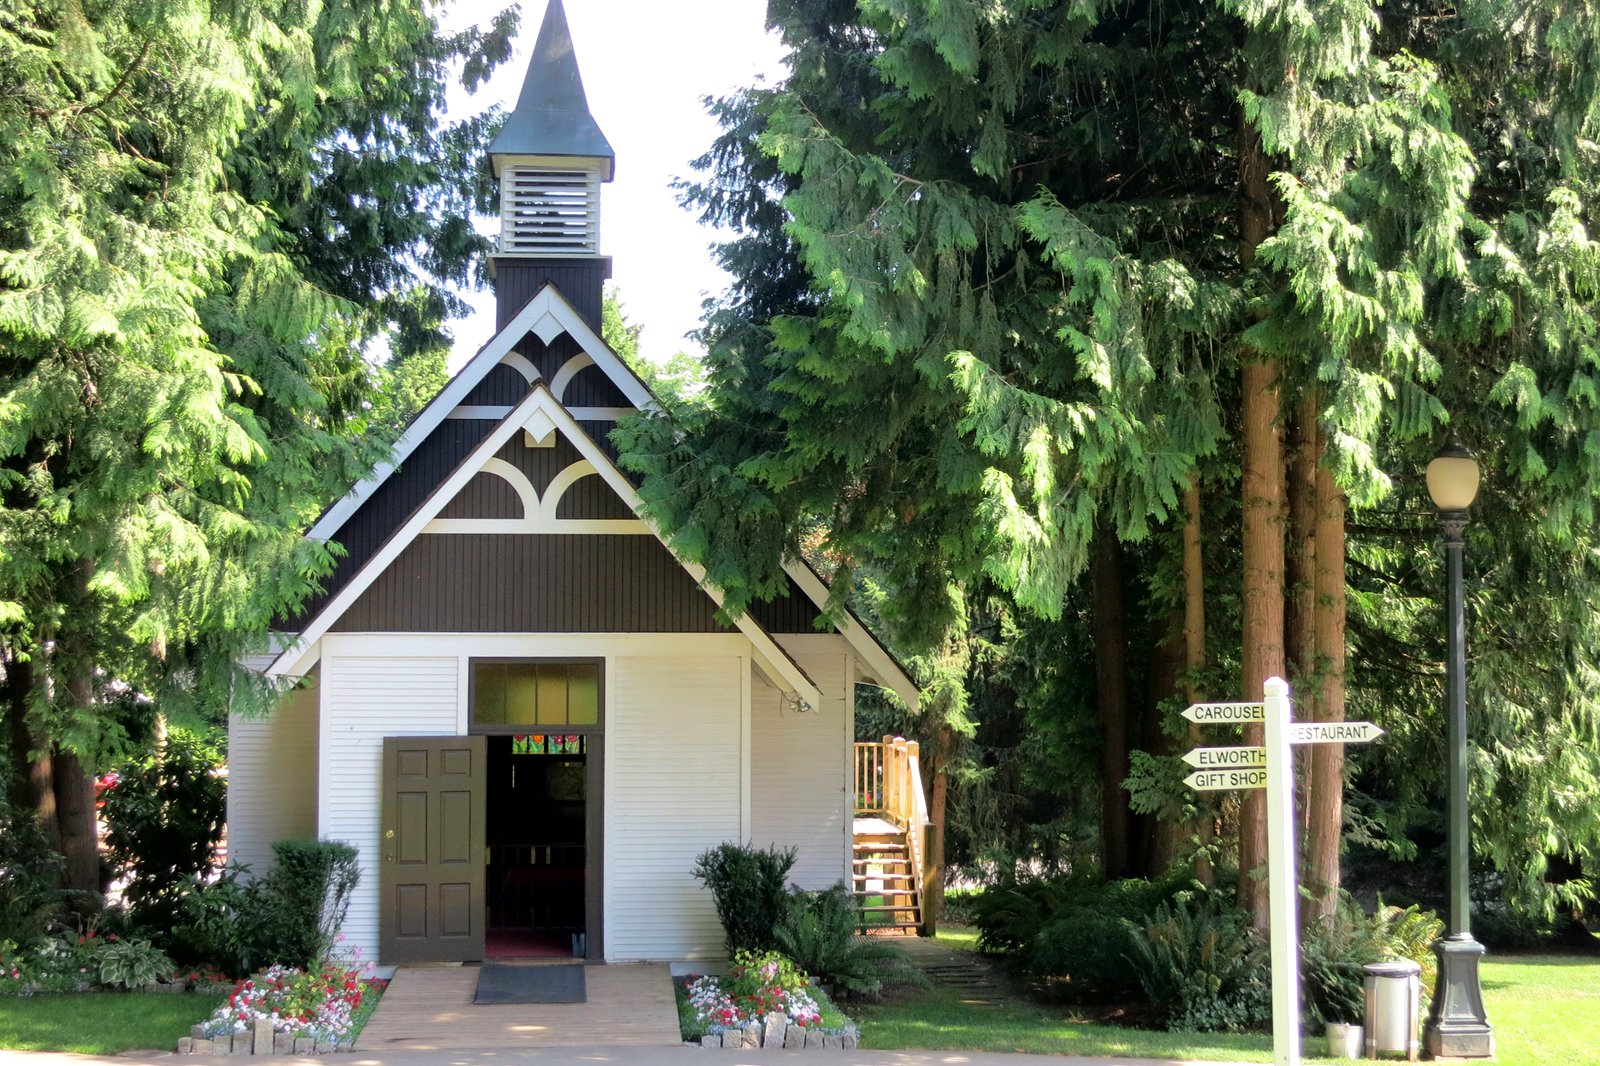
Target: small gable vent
point(549, 211)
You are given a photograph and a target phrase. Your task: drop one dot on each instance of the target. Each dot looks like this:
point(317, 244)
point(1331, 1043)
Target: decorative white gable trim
point(300, 656)
point(522, 365)
point(493, 413)
point(568, 371)
point(547, 314)
point(538, 515)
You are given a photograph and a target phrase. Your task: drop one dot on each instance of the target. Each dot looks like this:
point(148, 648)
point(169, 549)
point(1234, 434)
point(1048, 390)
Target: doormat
point(501, 983)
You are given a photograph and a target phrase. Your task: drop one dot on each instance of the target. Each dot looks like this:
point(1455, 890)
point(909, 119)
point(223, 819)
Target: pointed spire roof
point(552, 114)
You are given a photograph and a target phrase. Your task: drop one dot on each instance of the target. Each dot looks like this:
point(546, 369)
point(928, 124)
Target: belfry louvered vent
point(549, 211)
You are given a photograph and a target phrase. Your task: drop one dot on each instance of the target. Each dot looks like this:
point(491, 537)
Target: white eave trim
point(302, 654)
point(547, 314)
point(879, 665)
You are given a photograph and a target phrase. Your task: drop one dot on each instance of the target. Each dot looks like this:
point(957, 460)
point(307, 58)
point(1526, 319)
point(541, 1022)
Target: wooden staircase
point(889, 854)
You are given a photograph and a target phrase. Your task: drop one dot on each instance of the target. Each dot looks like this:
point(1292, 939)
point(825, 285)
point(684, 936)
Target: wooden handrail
point(888, 779)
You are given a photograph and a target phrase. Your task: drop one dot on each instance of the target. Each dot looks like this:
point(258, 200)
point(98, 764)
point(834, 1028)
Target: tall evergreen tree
point(1010, 272)
point(205, 214)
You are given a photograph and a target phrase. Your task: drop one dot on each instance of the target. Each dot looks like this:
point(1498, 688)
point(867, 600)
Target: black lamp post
point(1456, 1027)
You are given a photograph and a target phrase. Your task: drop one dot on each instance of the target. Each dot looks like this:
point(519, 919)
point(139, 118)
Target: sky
point(645, 65)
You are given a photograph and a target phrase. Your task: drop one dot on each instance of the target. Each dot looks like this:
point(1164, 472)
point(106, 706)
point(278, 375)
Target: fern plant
point(1202, 967)
point(819, 933)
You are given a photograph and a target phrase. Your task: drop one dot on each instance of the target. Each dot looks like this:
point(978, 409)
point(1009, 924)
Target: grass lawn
point(100, 1023)
point(1544, 1009)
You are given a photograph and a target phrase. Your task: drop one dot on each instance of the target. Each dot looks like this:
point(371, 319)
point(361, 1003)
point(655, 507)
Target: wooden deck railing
point(888, 778)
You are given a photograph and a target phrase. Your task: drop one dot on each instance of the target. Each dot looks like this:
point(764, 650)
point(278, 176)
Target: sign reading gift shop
point(1270, 766)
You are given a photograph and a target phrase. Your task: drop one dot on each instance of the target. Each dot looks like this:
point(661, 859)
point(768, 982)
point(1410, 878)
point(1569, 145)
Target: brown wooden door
point(432, 834)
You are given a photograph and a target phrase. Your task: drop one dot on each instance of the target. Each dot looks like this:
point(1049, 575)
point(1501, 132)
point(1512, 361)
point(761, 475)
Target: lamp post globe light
point(1456, 1026)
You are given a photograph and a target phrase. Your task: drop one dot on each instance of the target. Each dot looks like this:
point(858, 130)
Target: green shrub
point(1083, 945)
point(130, 963)
point(1202, 967)
point(1334, 950)
point(30, 876)
point(819, 933)
point(163, 818)
point(217, 922)
point(750, 887)
point(1011, 913)
point(1070, 930)
point(959, 906)
point(291, 917)
point(754, 972)
point(303, 901)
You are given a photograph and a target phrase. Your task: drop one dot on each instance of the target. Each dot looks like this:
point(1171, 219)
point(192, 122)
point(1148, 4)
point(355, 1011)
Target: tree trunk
point(1160, 838)
point(938, 801)
point(1111, 672)
point(1300, 574)
point(1262, 652)
point(1327, 760)
point(72, 667)
point(74, 781)
point(33, 785)
point(1194, 656)
point(75, 809)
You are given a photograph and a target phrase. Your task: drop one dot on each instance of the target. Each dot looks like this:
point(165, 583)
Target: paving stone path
point(967, 972)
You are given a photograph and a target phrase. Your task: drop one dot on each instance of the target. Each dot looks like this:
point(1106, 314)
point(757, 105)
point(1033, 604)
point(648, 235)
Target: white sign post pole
point(1281, 888)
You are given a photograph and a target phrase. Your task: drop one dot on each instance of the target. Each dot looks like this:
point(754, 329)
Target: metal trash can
point(1394, 995)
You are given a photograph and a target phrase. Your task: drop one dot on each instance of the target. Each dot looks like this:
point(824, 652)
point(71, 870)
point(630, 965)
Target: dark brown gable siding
point(402, 493)
point(518, 279)
point(591, 387)
point(793, 612)
point(485, 496)
point(487, 583)
point(549, 358)
point(600, 433)
point(502, 386)
point(591, 497)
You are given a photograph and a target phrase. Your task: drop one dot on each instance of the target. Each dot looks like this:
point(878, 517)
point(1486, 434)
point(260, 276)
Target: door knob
point(388, 834)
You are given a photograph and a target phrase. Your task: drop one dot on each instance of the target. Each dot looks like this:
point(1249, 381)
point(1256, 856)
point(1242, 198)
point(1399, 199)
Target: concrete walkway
point(430, 1008)
point(674, 1055)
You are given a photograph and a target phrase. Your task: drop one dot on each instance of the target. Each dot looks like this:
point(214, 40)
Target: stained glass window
point(549, 744)
point(536, 693)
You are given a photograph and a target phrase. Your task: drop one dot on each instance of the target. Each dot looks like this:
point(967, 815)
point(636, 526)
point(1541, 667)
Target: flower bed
point(718, 1010)
point(284, 1010)
point(762, 1002)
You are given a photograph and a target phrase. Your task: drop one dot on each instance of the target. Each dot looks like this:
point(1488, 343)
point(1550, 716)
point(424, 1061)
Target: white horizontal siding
point(674, 771)
point(800, 779)
point(272, 778)
point(366, 698)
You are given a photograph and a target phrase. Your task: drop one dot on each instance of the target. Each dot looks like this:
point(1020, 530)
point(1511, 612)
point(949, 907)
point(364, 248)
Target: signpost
point(1333, 732)
point(1223, 780)
point(1271, 766)
point(1218, 758)
point(1223, 713)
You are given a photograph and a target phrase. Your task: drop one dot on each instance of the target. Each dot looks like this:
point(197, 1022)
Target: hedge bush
point(751, 889)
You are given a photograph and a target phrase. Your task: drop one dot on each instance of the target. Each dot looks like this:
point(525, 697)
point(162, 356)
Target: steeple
point(552, 114)
point(550, 158)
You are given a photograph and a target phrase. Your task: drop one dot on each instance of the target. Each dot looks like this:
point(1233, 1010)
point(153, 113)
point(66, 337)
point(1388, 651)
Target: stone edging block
point(261, 1040)
point(775, 1031)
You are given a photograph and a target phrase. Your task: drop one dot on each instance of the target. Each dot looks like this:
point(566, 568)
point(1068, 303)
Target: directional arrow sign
point(1219, 780)
point(1333, 732)
point(1225, 758)
point(1224, 713)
